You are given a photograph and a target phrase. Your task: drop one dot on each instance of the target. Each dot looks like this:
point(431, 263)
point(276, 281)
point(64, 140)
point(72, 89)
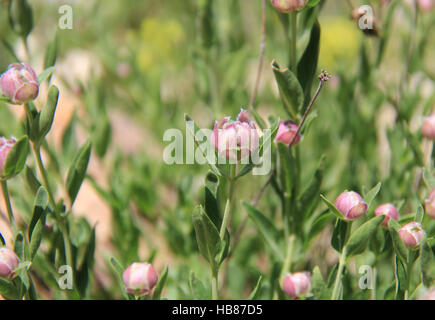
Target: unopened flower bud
point(297, 284)
point(287, 6)
point(286, 133)
point(389, 211)
point(351, 205)
point(235, 140)
point(8, 263)
point(426, 5)
point(412, 234)
point(140, 278)
point(5, 146)
point(428, 127)
point(429, 204)
point(19, 83)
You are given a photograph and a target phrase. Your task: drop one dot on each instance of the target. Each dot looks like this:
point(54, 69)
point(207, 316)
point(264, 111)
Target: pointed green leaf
point(290, 90)
point(371, 195)
point(359, 238)
point(77, 171)
point(160, 284)
point(16, 159)
point(398, 245)
point(46, 117)
point(267, 229)
point(332, 208)
point(197, 288)
point(256, 292)
point(427, 265)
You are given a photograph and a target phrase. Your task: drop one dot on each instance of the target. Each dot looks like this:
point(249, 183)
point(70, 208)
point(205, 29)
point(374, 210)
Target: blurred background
point(128, 70)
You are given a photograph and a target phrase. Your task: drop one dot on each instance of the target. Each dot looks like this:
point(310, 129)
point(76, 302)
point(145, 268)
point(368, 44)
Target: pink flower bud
point(412, 233)
point(426, 5)
point(429, 204)
point(5, 146)
point(429, 295)
point(351, 205)
point(428, 127)
point(19, 83)
point(8, 263)
point(287, 6)
point(140, 278)
point(235, 140)
point(389, 211)
point(286, 133)
point(297, 284)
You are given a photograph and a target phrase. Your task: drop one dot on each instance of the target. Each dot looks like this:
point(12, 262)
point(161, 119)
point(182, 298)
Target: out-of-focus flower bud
point(287, 6)
point(5, 146)
point(426, 5)
point(412, 234)
point(429, 204)
point(428, 127)
point(123, 70)
point(140, 278)
point(235, 140)
point(297, 284)
point(429, 295)
point(8, 263)
point(351, 205)
point(389, 211)
point(19, 83)
point(286, 133)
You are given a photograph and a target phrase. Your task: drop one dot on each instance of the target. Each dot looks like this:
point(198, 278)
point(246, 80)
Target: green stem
point(289, 256)
point(61, 223)
point(214, 286)
point(228, 205)
point(337, 284)
point(9, 206)
point(293, 43)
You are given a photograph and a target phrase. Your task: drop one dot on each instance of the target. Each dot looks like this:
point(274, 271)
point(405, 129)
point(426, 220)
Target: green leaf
point(290, 90)
point(77, 171)
point(256, 292)
point(211, 203)
point(267, 229)
point(427, 265)
point(318, 224)
point(259, 120)
point(19, 243)
point(21, 17)
point(31, 180)
point(359, 238)
point(419, 215)
point(371, 195)
point(319, 287)
point(428, 178)
point(195, 128)
point(207, 238)
point(160, 284)
point(340, 234)
point(197, 288)
point(39, 207)
point(47, 113)
point(45, 74)
point(398, 245)
point(332, 208)
point(307, 65)
point(51, 52)
point(102, 134)
point(310, 197)
point(16, 158)
point(8, 291)
point(312, 3)
point(2, 240)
